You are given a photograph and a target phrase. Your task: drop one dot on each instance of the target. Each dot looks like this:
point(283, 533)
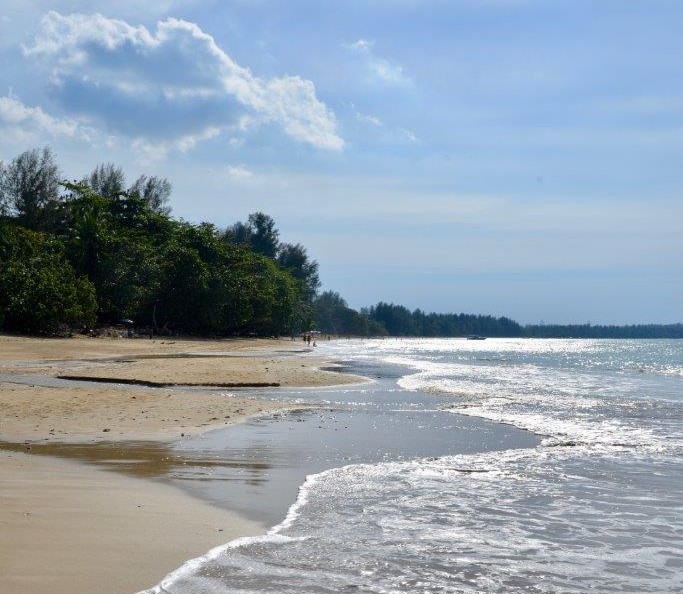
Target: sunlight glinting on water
point(595, 507)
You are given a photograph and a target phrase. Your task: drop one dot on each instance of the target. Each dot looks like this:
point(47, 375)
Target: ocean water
point(596, 506)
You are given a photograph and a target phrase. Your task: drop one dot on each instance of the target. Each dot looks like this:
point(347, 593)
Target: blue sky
point(517, 157)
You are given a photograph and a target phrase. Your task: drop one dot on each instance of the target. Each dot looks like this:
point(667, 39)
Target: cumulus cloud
point(379, 69)
point(23, 120)
point(173, 86)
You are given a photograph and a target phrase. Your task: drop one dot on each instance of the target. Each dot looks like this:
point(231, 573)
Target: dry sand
point(67, 527)
point(75, 415)
point(22, 348)
point(182, 362)
point(228, 370)
point(122, 412)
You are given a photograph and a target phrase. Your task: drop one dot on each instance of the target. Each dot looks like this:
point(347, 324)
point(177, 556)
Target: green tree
point(137, 262)
point(182, 299)
point(264, 237)
point(294, 259)
point(39, 290)
point(334, 316)
point(86, 228)
point(116, 243)
point(155, 191)
point(28, 184)
point(259, 233)
point(107, 180)
point(238, 234)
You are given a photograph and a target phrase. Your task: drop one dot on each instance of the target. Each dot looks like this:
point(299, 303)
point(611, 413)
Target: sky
point(506, 157)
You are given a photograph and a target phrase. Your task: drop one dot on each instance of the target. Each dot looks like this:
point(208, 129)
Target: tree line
point(334, 316)
point(603, 331)
point(96, 251)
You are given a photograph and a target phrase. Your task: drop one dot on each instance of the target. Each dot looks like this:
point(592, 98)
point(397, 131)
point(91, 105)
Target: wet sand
point(257, 467)
point(68, 527)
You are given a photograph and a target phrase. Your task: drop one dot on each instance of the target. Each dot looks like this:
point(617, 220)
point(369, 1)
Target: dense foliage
point(93, 252)
point(334, 316)
point(399, 321)
point(39, 289)
point(96, 253)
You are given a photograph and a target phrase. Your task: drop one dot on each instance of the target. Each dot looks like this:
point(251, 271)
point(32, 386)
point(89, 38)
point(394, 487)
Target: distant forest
point(335, 317)
point(600, 331)
point(97, 251)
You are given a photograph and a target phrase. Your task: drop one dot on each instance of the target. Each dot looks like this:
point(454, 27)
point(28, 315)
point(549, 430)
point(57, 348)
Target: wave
point(560, 416)
point(273, 536)
point(595, 508)
point(532, 520)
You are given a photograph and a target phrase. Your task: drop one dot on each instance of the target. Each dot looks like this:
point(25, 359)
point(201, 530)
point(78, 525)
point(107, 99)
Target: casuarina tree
point(28, 184)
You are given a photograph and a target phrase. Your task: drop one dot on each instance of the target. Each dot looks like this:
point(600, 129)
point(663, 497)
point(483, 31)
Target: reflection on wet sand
point(147, 459)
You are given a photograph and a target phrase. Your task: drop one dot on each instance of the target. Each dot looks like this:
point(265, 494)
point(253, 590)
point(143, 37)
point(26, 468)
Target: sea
point(504, 465)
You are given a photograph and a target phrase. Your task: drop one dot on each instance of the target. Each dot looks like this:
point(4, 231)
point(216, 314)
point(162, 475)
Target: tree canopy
point(153, 190)
point(28, 184)
point(107, 180)
point(93, 252)
point(39, 289)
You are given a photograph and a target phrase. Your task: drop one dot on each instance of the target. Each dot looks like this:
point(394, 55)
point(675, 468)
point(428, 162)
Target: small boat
point(476, 337)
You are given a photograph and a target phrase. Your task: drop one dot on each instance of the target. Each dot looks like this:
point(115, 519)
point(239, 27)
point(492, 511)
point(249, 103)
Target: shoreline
point(77, 525)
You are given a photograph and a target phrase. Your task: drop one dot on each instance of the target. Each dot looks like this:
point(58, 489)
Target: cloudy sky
point(518, 157)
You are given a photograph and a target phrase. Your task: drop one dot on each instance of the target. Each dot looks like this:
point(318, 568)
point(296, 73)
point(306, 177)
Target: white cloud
point(238, 172)
point(362, 45)
point(367, 118)
point(173, 86)
point(379, 69)
point(388, 72)
point(155, 151)
point(22, 120)
point(409, 135)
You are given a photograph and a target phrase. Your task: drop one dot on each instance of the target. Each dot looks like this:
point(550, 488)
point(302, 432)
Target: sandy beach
point(70, 527)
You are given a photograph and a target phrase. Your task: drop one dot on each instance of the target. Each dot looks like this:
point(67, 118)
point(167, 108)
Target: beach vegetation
point(106, 253)
point(107, 180)
point(29, 185)
point(588, 330)
point(39, 289)
point(294, 259)
point(259, 233)
point(82, 253)
point(334, 316)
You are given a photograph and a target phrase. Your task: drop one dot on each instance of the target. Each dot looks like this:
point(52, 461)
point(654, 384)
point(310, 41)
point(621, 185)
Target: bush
point(39, 289)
